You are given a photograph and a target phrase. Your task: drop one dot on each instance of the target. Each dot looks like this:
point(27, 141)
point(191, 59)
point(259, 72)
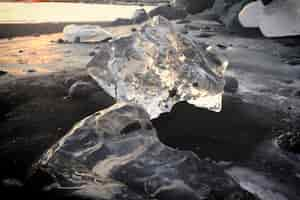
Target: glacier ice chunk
point(250, 15)
point(157, 67)
point(275, 19)
point(115, 154)
point(85, 33)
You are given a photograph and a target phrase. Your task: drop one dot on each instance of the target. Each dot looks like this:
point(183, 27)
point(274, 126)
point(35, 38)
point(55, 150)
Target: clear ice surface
point(157, 67)
point(115, 154)
point(276, 19)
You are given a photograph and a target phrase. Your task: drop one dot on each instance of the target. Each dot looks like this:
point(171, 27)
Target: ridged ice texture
point(115, 154)
point(157, 67)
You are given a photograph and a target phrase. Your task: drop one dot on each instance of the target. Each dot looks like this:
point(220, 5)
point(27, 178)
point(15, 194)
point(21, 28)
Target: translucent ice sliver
point(85, 33)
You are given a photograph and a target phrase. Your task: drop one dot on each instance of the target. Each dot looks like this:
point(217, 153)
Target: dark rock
point(168, 12)
point(115, 154)
point(21, 51)
point(2, 73)
point(102, 96)
point(140, 16)
point(289, 141)
point(77, 40)
point(173, 92)
point(231, 84)
point(135, 126)
point(293, 62)
point(195, 84)
point(106, 40)
point(122, 21)
point(207, 28)
point(288, 81)
point(36, 34)
point(31, 70)
point(193, 6)
point(60, 41)
point(183, 21)
point(221, 46)
point(205, 35)
point(266, 2)
point(297, 94)
point(81, 89)
point(92, 53)
point(69, 81)
point(289, 41)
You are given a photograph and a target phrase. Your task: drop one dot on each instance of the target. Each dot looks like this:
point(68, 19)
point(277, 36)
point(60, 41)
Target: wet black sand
point(231, 135)
point(36, 114)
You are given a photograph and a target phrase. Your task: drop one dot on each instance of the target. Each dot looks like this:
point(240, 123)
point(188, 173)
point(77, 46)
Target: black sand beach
point(36, 110)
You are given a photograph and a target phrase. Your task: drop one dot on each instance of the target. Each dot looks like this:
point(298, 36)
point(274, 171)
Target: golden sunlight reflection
point(63, 12)
point(39, 55)
point(34, 55)
point(21, 71)
point(28, 50)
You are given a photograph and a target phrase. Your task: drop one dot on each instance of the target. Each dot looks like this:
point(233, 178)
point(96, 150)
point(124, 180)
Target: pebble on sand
point(81, 89)
point(2, 73)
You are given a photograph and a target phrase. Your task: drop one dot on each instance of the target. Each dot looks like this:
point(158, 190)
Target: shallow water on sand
point(41, 54)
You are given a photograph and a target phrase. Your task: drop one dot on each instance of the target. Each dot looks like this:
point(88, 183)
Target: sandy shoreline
point(10, 30)
point(24, 19)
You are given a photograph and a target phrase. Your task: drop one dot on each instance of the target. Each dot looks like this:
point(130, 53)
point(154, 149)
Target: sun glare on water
point(26, 12)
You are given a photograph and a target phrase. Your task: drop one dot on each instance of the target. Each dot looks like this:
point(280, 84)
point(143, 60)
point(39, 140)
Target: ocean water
point(63, 12)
